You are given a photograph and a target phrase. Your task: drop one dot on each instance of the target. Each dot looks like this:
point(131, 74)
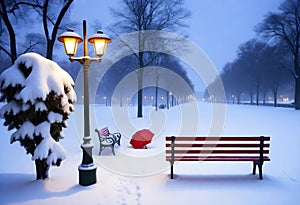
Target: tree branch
point(45, 26)
point(60, 18)
point(12, 36)
point(5, 51)
point(17, 4)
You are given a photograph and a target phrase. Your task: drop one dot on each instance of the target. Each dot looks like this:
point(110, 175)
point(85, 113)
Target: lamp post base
point(87, 175)
point(87, 169)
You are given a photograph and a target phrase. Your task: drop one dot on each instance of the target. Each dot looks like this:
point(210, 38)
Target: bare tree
point(12, 52)
point(285, 26)
point(53, 22)
point(251, 52)
point(51, 12)
point(34, 42)
point(274, 73)
point(143, 15)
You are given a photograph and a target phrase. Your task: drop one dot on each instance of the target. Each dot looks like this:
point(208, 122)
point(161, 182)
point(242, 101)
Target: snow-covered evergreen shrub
point(38, 98)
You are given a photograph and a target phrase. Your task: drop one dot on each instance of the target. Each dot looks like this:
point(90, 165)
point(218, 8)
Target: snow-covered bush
point(38, 98)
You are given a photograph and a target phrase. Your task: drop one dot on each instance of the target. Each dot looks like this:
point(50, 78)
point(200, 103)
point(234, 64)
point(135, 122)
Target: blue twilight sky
point(216, 26)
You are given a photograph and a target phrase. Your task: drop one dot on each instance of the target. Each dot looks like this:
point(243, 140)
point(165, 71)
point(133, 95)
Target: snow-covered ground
point(142, 176)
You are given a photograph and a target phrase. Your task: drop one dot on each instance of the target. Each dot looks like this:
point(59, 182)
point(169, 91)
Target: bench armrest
point(107, 140)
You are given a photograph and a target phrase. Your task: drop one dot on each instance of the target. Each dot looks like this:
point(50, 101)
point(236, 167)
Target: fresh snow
point(226, 183)
point(26, 130)
point(40, 106)
point(46, 76)
point(10, 107)
point(49, 145)
point(55, 117)
point(14, 75)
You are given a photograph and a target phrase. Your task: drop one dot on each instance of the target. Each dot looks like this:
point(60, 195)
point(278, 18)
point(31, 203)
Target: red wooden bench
point(255, 149)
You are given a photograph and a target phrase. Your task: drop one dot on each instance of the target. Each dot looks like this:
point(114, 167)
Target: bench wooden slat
point(217, 151)
point(216, 145)
point(200, 148)
point(254, 138)
point(221, 158)
point(251, 158)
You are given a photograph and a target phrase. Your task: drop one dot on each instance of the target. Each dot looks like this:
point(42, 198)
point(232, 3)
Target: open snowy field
point(142, 176)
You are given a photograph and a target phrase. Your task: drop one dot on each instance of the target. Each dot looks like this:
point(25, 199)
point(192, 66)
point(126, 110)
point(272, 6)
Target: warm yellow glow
point(70, 39)
point(100, 41)
point(100, 46)
point(70, 45)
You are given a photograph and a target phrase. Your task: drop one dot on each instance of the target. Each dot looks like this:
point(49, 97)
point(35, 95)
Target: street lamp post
point(87, 169)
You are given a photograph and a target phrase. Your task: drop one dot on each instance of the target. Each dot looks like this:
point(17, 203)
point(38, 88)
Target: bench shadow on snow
point(23, 188)
point(228, 181)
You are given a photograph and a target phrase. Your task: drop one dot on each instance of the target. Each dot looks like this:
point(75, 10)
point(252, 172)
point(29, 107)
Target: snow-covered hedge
point(39, 98)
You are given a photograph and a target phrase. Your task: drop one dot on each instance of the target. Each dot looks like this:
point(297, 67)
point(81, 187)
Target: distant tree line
point(260, 71)
point(267, 64)
point(160, 81)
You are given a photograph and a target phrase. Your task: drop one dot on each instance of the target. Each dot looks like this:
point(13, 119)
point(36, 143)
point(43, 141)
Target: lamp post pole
point(87, 168)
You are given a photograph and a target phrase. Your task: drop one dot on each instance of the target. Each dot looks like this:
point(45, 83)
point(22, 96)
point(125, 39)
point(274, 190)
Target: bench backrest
point(218, 148)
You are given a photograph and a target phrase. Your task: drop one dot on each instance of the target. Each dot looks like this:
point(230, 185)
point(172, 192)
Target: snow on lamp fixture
point(100, 40)
point(70, 39)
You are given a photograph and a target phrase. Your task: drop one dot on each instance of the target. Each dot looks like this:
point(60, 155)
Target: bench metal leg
point(100, 150)
point(113, 149)
point(102, 147)
point(254, 168)
point(260, 171)
point(255, 163)
point(172, 177)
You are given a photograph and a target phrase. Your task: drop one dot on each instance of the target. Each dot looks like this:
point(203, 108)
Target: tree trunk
point(42, 169)
point(275, 93)
point(49, 54)
point(140, 72)
point(156, 94)
point(140, 93)
point(297, 79)
point(275, 99)
point(257, 94)
point(238, 96)
point(168, 99)
point(297, 93)
point(264, 98)
point(251, 97)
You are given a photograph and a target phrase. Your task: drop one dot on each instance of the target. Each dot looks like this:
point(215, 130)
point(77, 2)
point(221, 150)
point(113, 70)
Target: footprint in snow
point(128, 192)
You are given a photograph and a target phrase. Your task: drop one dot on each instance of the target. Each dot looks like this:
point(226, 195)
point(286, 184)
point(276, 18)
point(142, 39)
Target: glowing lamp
point(100, 40)
point(70, 39)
